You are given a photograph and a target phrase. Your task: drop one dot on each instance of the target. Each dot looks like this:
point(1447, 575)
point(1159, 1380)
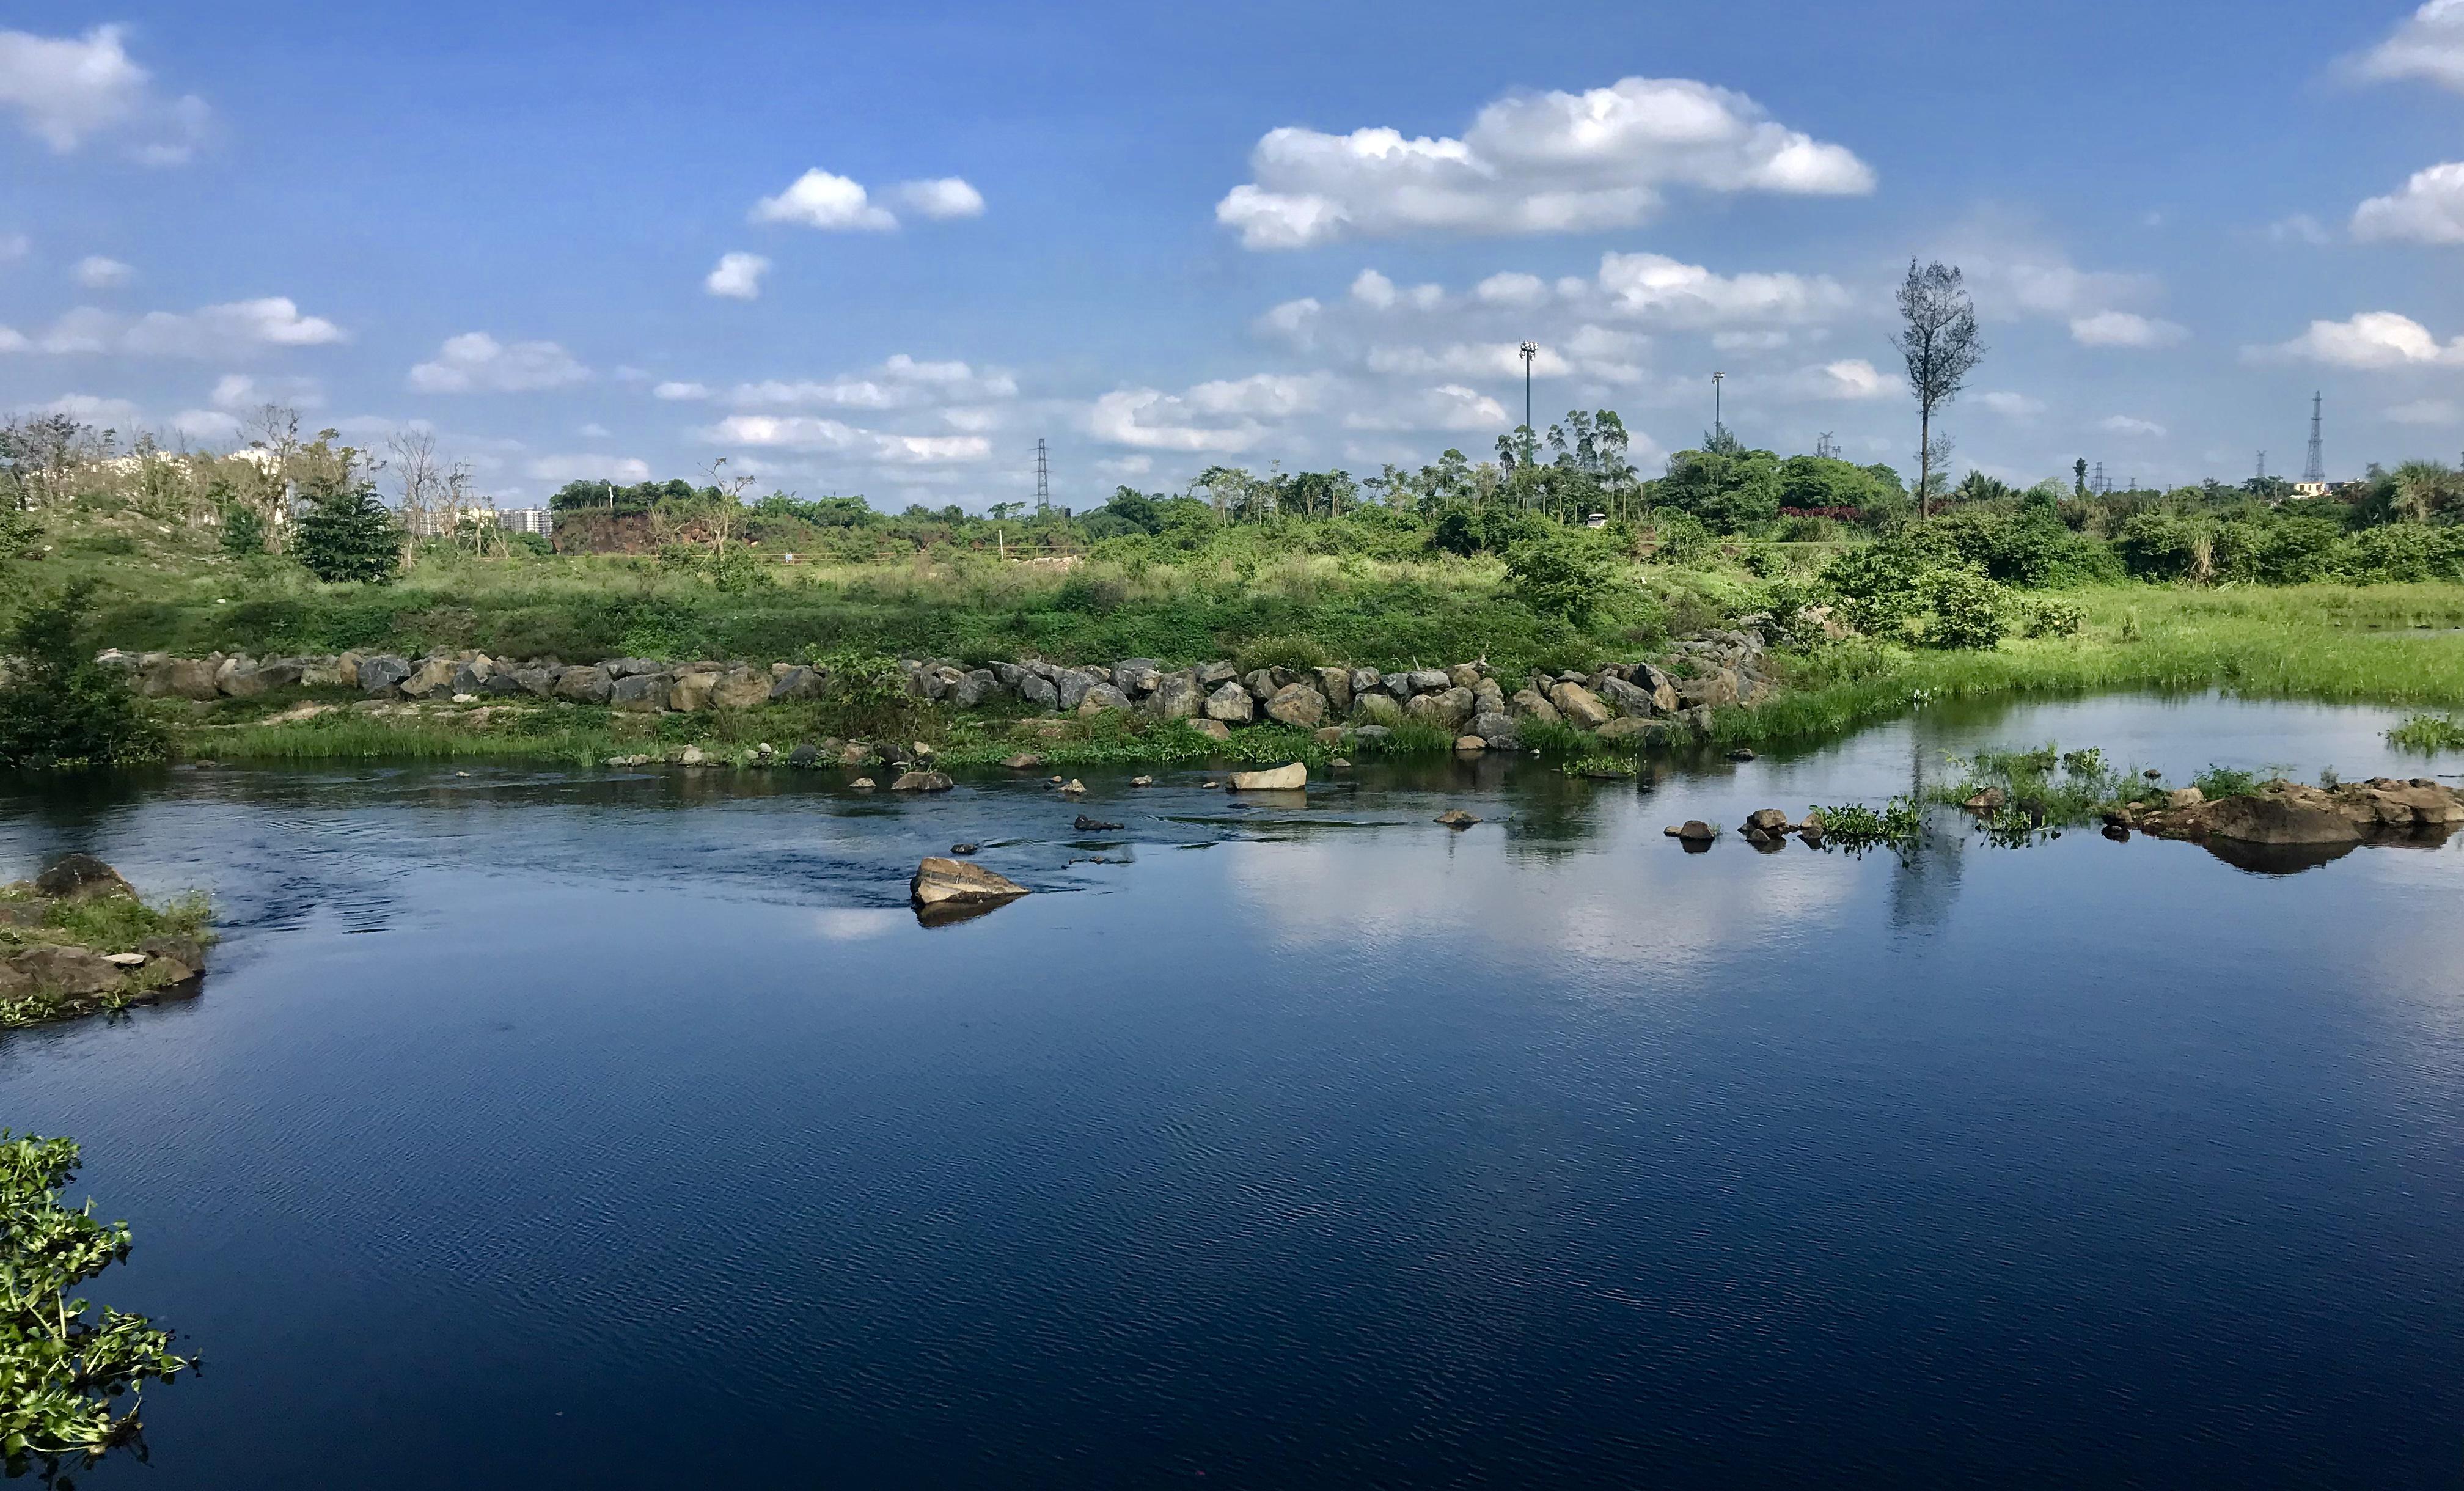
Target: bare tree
point(1939, 340)
point(423, 483)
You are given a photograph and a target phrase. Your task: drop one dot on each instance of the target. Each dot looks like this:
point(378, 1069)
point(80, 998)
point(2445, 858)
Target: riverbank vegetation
point(1557, 555)
point(71, 1380)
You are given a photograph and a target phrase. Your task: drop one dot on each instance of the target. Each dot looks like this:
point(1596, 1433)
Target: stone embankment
point(1639, 702)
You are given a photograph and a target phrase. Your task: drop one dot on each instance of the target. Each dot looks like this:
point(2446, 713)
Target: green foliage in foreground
point(1898, 825)
point(59, 707)
point(64, 1372)
point(2429, 733)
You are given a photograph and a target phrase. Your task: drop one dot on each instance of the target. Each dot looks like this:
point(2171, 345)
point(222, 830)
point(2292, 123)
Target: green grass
point(2429, 733)
point(105, 924)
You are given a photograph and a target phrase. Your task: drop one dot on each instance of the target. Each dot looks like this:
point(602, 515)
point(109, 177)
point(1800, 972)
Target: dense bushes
point(348, 534)
point(60, 707)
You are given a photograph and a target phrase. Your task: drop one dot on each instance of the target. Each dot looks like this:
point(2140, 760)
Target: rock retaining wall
point(1472, 701)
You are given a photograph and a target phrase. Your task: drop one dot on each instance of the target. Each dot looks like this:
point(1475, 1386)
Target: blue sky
point(1163, 237)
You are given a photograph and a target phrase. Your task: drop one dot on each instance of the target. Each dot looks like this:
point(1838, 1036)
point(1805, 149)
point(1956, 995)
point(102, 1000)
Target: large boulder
point(739, 689)
point(433, 677)
point(383, 674)
point(1448, 708)
point(329, 673)
point(689, 690)
point(1365, 680)
point(1175, 696)
point(1531, 703)
point(1628, 730)
point(1627, 699)
point(1232, 705)
point(643, 693)
point(1429, 680)
point(798, 682)
point(1212, 676)
point(1102, 699)
point(1280, 778)
point(944, 881)
point(1499, 730)
point(471, 675)
point(59, 970)
point(1214, 729)
point(1072, 685)
point(1463, 675)
point(922, 781)
point(81, 877)
point(184, 678)
point(1136, 675)
point(1335, 683)
point(2269, 818)
point(1579, 707)
point(1040, 691)
point(629, 667)
point(1709, 690)
point(1376, 707)
point(1298, 703)
point(973, 688)
point(1262, 682)
point(538, 682)
point(252, 681)
point(588, 684)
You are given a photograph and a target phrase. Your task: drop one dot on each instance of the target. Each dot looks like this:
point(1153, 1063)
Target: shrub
point(2225, 781)
point(1560, 576)
point(1970, 611)
point(59, 707)
point(349, 536)
point(243, 532)
point(1880, 587)
point(2054, 619)
point(1683, 538)
point(1297, 653)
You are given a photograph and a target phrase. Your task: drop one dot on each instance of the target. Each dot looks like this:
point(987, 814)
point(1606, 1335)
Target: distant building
point(537, 521)
point(440, 522)
point(2302, 491)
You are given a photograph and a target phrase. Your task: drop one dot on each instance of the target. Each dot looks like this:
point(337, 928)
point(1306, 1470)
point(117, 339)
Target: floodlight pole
point(1717, 429)
point(1529, 350)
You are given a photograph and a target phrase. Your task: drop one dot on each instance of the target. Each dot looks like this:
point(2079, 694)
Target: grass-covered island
point(77, 939)
point(268, 606)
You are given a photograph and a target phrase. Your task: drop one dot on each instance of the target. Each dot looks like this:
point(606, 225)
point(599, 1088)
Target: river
point(541, 1127)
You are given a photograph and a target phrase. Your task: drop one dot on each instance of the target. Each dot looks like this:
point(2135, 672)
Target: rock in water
point(1089, 825)
point(1697, 831)
point(1024, 761)
point(1281, 778)
point(1769, 821)
point(922, 781)
point(940, 881)
point(1142, 782)
point(1456, 818)
point(1073, 787)
point(964, 848)
point(81, 877)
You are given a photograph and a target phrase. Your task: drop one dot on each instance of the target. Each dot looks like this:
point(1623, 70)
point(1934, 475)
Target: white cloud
point(476, 363)
point(1449, 407)
point(245, 392)
point(680, 391)
point(1466, 360)
point(900, 382)
point(805, 432)
point(1222, 416)
point(2428, 209)
point(94, 409)
point(213, 331)
point(2372, 340)
point(69, 90)
point(1850, 379)
point(2013, 405)
point(207, 425)
point(2131, 425)
point(2429, 45)
point(2124, 329)
point(97, 272)
point(944, 199)
point(593, 431)
point(1294, 321)
point(818, 199)
point(560, 469)
point(2426, 411)
point(1512, 288)
point(1531, 163)
point(738, 277)
point(1126, 466)
point(1657, 288)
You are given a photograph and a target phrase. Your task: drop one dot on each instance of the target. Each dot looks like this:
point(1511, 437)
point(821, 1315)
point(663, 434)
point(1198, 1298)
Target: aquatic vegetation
point(64, 1372)
point(1898, 825)
point(2429, 733)
point(2218, 782)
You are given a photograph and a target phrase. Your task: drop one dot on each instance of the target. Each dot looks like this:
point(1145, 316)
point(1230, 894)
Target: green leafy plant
point(64, 1371)
point(1560, 576)
point(1970, 611)
point(2225, 781)
point(1898, 825)
point(2429, 733)
point(243, 532)
point(59, 707)
point(348, 536)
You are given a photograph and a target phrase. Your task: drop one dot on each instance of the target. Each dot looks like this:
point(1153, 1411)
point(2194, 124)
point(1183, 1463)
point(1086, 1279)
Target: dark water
point(625, 1129)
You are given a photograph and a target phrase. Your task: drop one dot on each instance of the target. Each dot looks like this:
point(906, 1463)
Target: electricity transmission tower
point(2317, 470)
point(1043, 479)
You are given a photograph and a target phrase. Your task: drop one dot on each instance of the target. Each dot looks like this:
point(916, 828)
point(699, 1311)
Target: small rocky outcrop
point(947, 882)
point(81, 877)
point(1457, 819)
point(922, 781)
point(1281, 778)
point(2285, 813)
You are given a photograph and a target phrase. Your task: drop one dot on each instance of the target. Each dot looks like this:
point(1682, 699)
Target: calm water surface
point(613, 1129)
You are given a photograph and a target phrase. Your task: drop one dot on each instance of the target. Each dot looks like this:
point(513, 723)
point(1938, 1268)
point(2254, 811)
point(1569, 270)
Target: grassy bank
point(52, 949)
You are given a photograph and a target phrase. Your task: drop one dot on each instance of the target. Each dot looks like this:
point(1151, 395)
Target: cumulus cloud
point(1531, 163)
point(247, 391)
point(215, 331)
point(561, 468)
point(97, 272)
point(2372, 340)
point(2428, 46)
point(2013, 405)
point(207, 425)
point(2124, 329)
point(1294, 321)
point(2300, 228)
point(1655, 287)
point(2429, 209)
point(943, 199)
point(94, 409)
point(838, 204)
point(1224, 416)
point(1849, 378)
point(67, 91)
point(809, 432)
point(2132, 425)
point(900, 382)
point(738, 277)
point(476, 363)
point(677, 390)
point(1512, 288)
point(1126, 466)
point(1449, 407)
point(833, 204)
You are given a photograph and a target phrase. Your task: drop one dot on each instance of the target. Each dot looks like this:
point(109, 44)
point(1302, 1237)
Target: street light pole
point(1716, 428)
point(1531, 350)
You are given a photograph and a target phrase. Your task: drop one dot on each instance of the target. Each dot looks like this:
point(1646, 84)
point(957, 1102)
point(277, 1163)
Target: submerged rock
point(1091, 825)
point(922, 781)
point(1456, 818)
point(1280, 778)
